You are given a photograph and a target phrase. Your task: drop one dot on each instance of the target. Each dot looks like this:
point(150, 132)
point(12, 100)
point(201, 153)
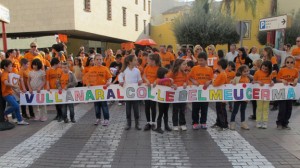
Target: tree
point(293, 32)
point(202, 27)
point(262, 37)
point(247, 3)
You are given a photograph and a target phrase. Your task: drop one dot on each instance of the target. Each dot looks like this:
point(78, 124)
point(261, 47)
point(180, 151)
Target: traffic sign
point(274, 23)
point(4, 14)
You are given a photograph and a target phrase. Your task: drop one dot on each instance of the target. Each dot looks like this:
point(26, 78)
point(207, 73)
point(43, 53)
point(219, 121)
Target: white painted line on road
point(100, 149)
point(27, 152)
point(238, 151)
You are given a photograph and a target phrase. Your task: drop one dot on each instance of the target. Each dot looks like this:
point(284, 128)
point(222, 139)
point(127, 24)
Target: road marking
point(238, 151)
point(100, 149)
point(24, 154)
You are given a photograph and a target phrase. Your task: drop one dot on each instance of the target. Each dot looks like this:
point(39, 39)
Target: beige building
point(95, 22)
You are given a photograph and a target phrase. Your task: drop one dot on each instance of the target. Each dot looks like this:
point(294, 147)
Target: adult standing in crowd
point(232, 53)
point(109, 58)
point(33, 53)
point(167, 58)
point(296, 54)
point(253, 55)
point(242, 59)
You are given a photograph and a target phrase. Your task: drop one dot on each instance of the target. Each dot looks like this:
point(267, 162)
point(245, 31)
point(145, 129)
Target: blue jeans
point(104, 107)
point(14, 107)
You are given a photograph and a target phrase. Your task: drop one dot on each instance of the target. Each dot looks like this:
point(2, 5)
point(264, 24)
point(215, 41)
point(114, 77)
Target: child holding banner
point(180, 79)
point(262, 77)
point(200, 75)
point(36, 82)
point(150, 75)
point(52, 76)
point(221, 79)
point(100, 75)
point(163, 107)
point(7, 92)
point(288, 75)
point(241, 77)
point(129, 75)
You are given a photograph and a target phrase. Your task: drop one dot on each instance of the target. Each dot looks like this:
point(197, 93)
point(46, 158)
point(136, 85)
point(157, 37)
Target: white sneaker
point(183, 128)
point(176, 128)
point(15, 120)
point(97, 122)
point(22, 123)
point(264, 125)
point(120, 104)
point(258, 125)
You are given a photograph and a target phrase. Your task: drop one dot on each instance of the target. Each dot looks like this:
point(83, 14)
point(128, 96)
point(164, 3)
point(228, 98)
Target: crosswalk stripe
point(24, 154)
point(238, 151)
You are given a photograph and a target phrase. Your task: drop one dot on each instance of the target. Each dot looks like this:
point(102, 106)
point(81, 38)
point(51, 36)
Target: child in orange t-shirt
point(288, 75)
point(149, 76)
point(67, 80)
point(220, 80)
point(242, 76)
point(262, 77)
point(24, 72)
point(200, 75)
point(230, 72)
point(7, 92)
point(100, 75)
point(36, 82)
point(52, 77)
point(180, 79)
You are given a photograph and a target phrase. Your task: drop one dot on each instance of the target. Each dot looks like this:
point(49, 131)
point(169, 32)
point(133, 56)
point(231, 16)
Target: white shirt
point(282, 54)
point(130, 76)
point(230, 56)
point(254, 57)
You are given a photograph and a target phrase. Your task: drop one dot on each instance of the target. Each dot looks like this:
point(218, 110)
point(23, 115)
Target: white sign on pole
point(4, 14)
point(274, 23)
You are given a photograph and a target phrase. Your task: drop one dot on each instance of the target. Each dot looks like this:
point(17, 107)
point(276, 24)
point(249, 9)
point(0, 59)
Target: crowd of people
point(40, 70)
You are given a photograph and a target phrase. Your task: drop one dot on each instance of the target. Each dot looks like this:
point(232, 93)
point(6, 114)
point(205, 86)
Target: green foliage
point(292, 33)
point(202, 27)
point(262, 37)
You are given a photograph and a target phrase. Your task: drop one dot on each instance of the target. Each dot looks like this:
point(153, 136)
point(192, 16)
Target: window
point(144, 5)
point(109, 17)
point(136, 22)
point(149, 7)
point(87, 5)
point(145, 27)
point(124, 16)
point(137, 2)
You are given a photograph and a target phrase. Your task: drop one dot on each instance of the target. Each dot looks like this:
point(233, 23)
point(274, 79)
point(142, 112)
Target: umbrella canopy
point(146, 42)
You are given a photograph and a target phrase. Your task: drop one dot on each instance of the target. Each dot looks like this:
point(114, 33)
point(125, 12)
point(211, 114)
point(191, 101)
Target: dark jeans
point(178, 114)
point(285, 112)
point(150, 105)
point(65, 111)
point(23, 109)
point(14, 107)
point(163, 112)
point(101, 105)
point(221, 115)
point(196, 106)
point(254, 107)
point(59, 110)
point(129, 106)
point(236, 107)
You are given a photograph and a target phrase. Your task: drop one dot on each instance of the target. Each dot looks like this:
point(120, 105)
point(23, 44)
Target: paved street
point(53, 144)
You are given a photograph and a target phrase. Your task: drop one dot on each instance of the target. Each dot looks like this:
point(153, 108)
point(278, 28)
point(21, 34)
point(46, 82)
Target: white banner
point(239, 92)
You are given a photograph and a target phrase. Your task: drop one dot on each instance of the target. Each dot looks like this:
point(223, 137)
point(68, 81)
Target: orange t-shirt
point(144, 61)
point(212, 61)
point(52, 76)
point(46, 63)
point(141, 69)
point(109, 60)
point(288, 74)
point(48, 57)
point(221, 79)
point(166, 58)
point(6, 90)
point(296, 52)
point(239, 62)
point(179, 79)
point(25, 75)
point(244, 79)
point(230, 75)
point(163, 82)
point(262, 77)
point(62, 58)
point(30, 57)
point(151, 73)
point(201, 74)
point(86, 70)
point(15, 65)
point(97, 75)
point(274, 60)
point(64, 80)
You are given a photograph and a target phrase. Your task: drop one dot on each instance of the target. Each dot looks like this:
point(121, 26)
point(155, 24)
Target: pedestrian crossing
point(171, 149)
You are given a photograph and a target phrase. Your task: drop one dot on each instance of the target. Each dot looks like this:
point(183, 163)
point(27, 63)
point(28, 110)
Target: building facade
point(103, 21)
